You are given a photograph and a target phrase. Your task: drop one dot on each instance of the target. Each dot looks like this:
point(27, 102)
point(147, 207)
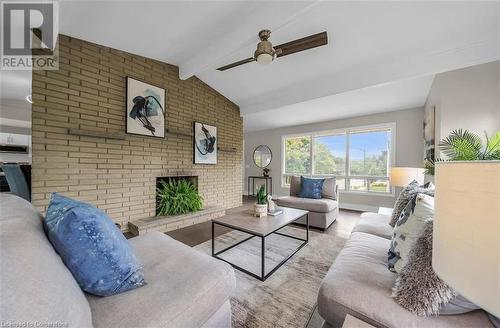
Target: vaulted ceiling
point(381, 44)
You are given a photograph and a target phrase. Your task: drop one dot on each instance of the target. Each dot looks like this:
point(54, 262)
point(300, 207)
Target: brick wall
point(88, 93)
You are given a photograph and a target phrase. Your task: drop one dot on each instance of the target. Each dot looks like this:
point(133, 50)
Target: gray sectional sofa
point(360, 284)
point(185, 288)
point(322, 212)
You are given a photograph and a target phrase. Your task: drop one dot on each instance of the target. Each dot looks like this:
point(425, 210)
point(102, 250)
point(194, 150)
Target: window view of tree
point(298, 155)
point(366, 171)
point(329, 155)
point(368, 153)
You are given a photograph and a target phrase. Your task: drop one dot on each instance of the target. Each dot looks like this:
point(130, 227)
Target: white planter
point(260, 210)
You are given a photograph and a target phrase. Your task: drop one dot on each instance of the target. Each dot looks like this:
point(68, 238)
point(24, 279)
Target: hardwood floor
point(202, 232)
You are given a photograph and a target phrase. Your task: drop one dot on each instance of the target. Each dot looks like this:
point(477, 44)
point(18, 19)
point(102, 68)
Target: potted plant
point(177, 197)
point(463, 145)
point(260, 208)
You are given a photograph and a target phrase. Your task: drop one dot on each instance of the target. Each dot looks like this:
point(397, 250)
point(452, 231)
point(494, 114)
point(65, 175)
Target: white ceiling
point(409, 93)
point(370, 43)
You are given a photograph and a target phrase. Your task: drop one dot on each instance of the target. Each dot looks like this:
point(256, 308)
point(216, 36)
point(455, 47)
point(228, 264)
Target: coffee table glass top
point(246, 221)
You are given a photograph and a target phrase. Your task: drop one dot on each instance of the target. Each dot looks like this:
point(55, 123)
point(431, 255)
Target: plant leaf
point(493, 146)
point(462, 145)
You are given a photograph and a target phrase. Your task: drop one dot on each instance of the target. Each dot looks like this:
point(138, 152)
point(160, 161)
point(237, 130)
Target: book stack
point(277, 211)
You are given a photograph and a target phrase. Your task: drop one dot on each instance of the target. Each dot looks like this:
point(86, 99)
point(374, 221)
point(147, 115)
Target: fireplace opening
point(190, 198)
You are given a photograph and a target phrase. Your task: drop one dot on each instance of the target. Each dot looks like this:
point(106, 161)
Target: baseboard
point(358, 207)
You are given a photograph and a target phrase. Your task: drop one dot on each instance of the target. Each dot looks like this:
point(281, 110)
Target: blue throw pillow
point(311, 188)
point(92, 247)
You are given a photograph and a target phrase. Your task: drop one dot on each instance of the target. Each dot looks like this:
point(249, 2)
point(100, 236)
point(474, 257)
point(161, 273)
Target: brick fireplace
point(115, 171)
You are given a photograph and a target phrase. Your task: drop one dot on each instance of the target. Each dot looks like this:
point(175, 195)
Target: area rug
point(288, 297)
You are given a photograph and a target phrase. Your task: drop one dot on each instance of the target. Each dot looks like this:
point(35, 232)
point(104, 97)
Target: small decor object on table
point(276, 211)
point(265, 172)
point(271, 206)
point(205, 144)
point(145, 109)
point(260, 208)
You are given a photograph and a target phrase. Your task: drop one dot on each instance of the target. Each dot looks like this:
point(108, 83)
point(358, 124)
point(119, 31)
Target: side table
point(268, 181)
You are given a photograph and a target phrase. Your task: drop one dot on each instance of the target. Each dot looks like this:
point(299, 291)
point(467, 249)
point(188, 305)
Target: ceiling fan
point(265, 52)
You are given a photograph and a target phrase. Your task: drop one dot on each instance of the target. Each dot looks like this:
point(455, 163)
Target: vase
point(260, 210)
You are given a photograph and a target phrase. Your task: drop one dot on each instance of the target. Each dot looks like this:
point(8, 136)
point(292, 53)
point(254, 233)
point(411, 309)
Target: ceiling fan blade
point(309, 42)
point(238, 63)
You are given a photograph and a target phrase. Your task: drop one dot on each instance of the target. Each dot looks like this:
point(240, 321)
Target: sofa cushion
point(359, 284)
point(92, 247)
point(329, 188)
point(294, 186)
point(311, 188)
point(322, 205)
point(374, 224)
point(35, 284)
point(185, 288)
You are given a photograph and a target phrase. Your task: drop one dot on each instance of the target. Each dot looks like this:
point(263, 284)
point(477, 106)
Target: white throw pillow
point(408, 229)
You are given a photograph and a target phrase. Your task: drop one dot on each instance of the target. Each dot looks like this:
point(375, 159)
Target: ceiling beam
point(243, 36)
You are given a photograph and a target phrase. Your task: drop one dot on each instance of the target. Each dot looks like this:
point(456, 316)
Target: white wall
point(408, 152)
point(15, 119)
point(467, 98)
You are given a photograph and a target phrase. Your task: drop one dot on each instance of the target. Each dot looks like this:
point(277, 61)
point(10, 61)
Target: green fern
point(177, 197)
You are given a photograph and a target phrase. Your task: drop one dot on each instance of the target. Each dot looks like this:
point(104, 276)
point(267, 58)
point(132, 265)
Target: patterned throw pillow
point(94, 250)
point(311, 188)
point(408, 193)
point(409, 227)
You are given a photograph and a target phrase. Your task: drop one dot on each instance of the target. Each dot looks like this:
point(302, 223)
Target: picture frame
point(429, 125)
point(145, 109)
point(205, 143)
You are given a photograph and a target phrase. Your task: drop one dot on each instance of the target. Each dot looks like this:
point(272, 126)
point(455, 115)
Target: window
point(359, 158)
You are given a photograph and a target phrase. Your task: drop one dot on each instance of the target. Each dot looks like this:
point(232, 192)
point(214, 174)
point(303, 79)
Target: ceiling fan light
point(264, 59)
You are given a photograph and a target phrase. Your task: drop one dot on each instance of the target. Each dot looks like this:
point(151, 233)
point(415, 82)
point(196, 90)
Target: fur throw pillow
point(418, 289)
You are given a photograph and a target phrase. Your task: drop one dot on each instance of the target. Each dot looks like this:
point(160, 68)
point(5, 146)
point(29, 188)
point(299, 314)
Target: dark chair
point(17, 180)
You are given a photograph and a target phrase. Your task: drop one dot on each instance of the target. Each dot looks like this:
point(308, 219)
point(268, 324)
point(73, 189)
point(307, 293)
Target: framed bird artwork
point(145, 109)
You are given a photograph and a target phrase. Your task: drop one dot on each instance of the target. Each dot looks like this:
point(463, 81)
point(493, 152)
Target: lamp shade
point(466, 238)
point(403, 176)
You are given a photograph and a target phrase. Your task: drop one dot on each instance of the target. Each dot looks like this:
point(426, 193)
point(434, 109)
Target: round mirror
point(262, 156)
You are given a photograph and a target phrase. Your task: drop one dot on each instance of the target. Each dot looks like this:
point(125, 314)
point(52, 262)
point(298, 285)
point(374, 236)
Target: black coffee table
point(244, 221)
